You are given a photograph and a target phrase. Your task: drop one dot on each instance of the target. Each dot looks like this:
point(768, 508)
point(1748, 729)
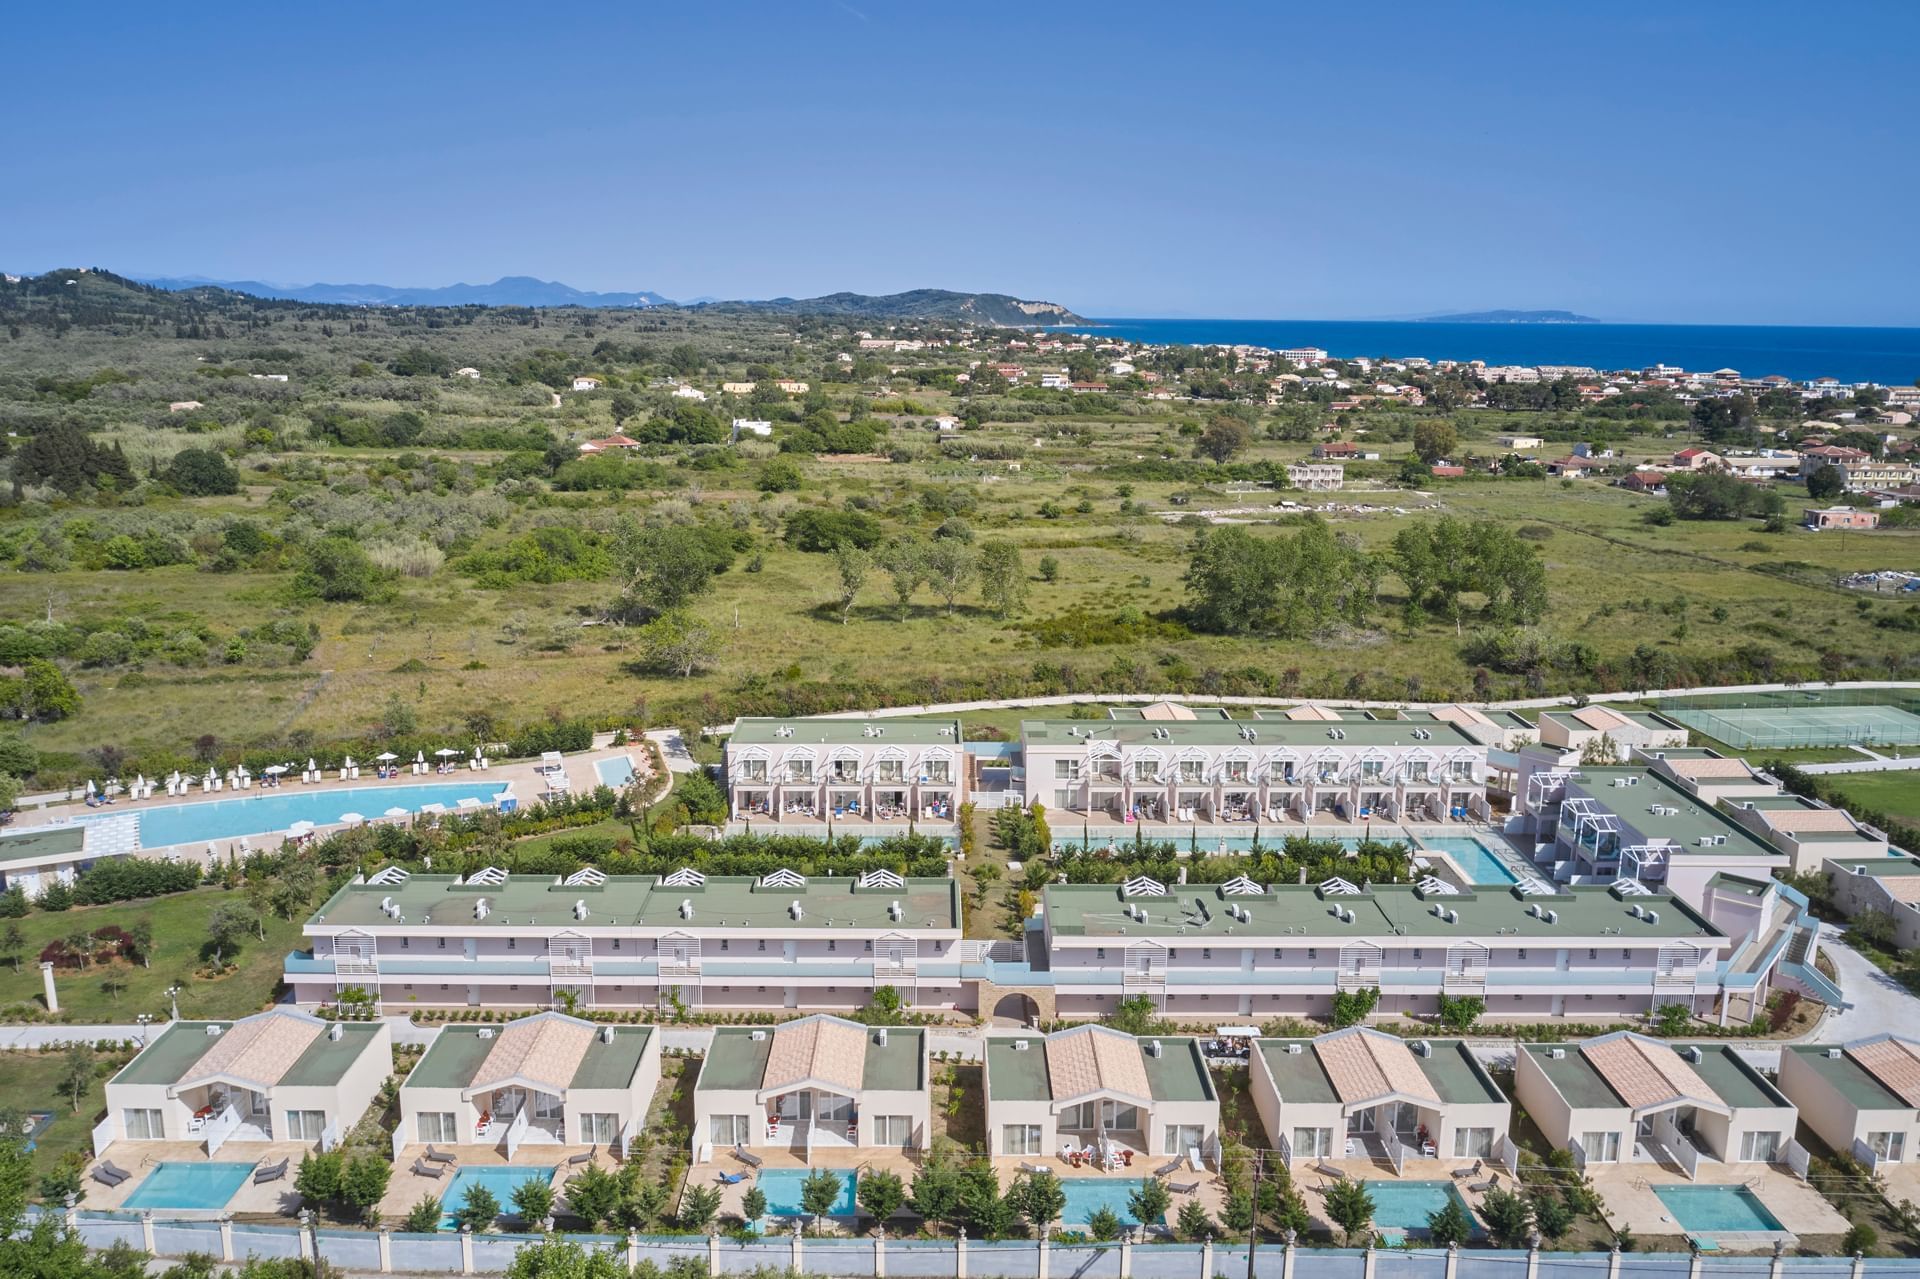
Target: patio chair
point(107, 1175)
point(1183, 1187)
point(746, 1157)
point(731, 1178)
point(1463, 1174)
point(421, 1168)
point(440, 1156)
point(1168, 1168)
point(270, 1172)
point(585, 1157)
point(1034, 1168)
point(1482, 1187)
point(1328, 1170)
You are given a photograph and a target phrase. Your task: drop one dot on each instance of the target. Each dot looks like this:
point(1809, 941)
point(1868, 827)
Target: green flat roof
point(1645, 719)
point(640, 900)
point(1015, 1074)
point(1179, 1073)
point(1582, 1085)
point(1267, 733)
point(1684, 819)
point(736, 1061)
point(1735, 1081)
point(1398, 910)
point(1883, 867)
point(1298, 1076)
point(325, 1061)
point(456, 1053)
point(55, 842)
point(1848, 1077)
point(846, 732)
point(612, 1065)
point(171, 1055)
point(1456, 1075)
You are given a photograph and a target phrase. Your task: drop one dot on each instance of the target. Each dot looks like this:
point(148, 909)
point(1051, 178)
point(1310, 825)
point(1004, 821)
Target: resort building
point(1862, 1099)
point(274, 1076)
point(1807, 831)
point(817, 1085)
point(1577, 730)
point(1361, 1094)
point(1317, 477)
point(1206, 771)
point(1248, 950)
point(1498, 730)
point(1888, 884)
point(543, 1080)
point(36, 859)
point(1625, 1098)
point(1092, 1088)
point(490, 939)
point(856, 772)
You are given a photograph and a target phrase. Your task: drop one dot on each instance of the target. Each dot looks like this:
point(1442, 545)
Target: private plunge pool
point(1403, 1207)
point(208, 821)
point(189, 1185)
point(781, 1186)
point(1718, 1210)
point(500, 1180)
point(1087, 1195)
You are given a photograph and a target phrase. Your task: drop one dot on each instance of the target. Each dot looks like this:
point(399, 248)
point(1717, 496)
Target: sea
point(1890, 357)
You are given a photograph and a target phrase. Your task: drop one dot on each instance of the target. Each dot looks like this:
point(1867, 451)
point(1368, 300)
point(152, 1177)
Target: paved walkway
point(674, 747)
point(1879, 1002)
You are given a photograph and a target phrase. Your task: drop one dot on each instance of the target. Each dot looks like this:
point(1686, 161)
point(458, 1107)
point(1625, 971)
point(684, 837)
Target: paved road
point(1880, 1003)
point(674, 747)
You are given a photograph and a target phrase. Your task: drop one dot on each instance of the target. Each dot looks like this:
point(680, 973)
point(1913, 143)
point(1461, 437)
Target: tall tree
point(950, 567)
point(904, 561)
point(1003, 578)
point(850, 564)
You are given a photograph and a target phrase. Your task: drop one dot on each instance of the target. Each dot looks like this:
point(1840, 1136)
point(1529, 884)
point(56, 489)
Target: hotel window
point(893, 770)
point(763, 943)
point(599, 1129)
point(442, 943)
point(1601, 1147)
point(1473, 1143)
point(832, 946)
point(1206, 952)
point(1523, 955)
point(1144, 771)
point(869, 945)
point(895, 1131)
point(724, 943)
point(728, 1130)
point(1066, 770)
point(754, 770)
point(306, 1125)
point(937, 771)
point(1313, 952)
point(1178, 1139)
point(1020, 1139)
point(1236, 770)
point(436, 1125)
point(1100, 952)
point(1191, 770)
point(513, 943)
point(1890, 1146)
point(799, 770)
point(144, 1125)
point(1593, 954)
point(406, 943)
point(1370, 769)
point(1759, 1147)
point(1310, 1143)
point(1418, 769)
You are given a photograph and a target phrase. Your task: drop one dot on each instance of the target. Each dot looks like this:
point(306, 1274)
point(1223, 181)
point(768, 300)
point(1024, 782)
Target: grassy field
point(1896, 794)
point(117, 991)
point(30, 1081)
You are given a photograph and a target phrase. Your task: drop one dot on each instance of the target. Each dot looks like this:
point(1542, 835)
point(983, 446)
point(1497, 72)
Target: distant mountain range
point(522, 290)
point(508, 290)
point(1510, 317)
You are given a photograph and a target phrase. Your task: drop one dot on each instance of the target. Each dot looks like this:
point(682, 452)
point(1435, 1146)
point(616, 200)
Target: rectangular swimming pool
point(189, 1185)
point(205, 821)
point(1403, 1206)
point(501, 1179)
point(615, 772)
point(781, 1186)
point(1086, 1195)
point(1718, 1210)
point(1475, 860)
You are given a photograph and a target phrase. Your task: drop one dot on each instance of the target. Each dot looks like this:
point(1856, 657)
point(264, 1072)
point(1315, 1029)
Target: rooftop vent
point(880, 1037)
point(480, 908)
point(337, 1031)
point(1421, 1048)
point(1692, 1053)
point(793, 908)
point(1558, 1054)
point(1020, 1045)
point(580, 909)
point(214, 1030)
point(1552, 917)
point(606, 1034)
point(894, 912)
point(1833, 1054)
point(1154, 1049)
point(486, 1032)
point(1652, 917)
point(686, 908)
point(757, 1036)
point(1294, 1050)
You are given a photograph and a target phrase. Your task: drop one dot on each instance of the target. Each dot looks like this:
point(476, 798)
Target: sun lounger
point(1193, 1159)
point(1168, 1168)
point(732, 1178)
point(270, 1172)
point(107, 1175)
point(1482, 1187)
point(1463, 1174)
point(440, 1156)
point(1328, 1170)
point(421, 1168)
point(744, 1156)
point(585, 1157)
point(1035, 1168)
point(1183, 1187)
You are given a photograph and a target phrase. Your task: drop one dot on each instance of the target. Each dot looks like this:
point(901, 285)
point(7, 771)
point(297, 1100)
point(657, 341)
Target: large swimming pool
point(1475, 860)
point(261, 814)
point(189, 1185)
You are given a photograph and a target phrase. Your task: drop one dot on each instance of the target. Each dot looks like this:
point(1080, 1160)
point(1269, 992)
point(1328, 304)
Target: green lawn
point(31, 1081)
point(1896, 794)
point(179, 930)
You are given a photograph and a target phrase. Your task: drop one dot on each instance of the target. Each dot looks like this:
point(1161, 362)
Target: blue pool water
point(615, 772)
point(1406, 1205)
point(1473, 858)
point(262, 814)
point(781, 1186)
point(189, 1185)
point(502, 1180)
point(1086, 1195)
point(1716, 1208)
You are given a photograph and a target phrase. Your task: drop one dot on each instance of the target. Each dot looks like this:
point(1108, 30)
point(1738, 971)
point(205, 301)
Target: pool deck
point(407, 1188)
point(1312, 1184)
point(526, 782)
point(1628, 1199)
point(274, 1199)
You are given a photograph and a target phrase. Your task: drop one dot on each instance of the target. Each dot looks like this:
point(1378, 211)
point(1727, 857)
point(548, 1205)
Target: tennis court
point(1745, 727)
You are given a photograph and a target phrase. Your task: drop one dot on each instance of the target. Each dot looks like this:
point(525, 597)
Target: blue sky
point(1750, 163)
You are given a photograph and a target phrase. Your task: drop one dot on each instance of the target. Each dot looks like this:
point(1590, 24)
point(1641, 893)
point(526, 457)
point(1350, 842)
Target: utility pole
point(1253, 1235)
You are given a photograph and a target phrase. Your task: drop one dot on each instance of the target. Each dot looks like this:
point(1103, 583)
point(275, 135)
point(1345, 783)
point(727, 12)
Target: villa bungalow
point(1840, 517)
point(1571, 468)
point(819, 1083)
point(274, 1076)
point(1862, 1099)
point(1890, 885)
point(1806, 830)
point(1574, 730)
point(1363, 1094)
point(1092, 1086)
point(1644, 481)
point(548, 1079)
point(1698, 459)
point(1625, 1098)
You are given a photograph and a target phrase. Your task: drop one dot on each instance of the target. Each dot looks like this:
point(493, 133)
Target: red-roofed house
point(1447, 471)
point(1572, 468)
point(1336, 449)
point(1697, 459)
point(1645, 482)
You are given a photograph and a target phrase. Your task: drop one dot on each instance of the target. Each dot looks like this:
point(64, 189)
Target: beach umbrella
point(352, 819)
point(89, 786)
point(311, 766)
point(349, 763)
point(210, 777)
point(397, 812)
point(386, 756)
point(433, 808)
point(468, 802)
point(300, 828)
point(445, 751)
point(274, 770)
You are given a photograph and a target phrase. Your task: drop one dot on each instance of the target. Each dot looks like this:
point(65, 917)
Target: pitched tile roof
point(1791, 819)
point(1895, 1063)
point(1090, 1059)
point(544, 1050)
point(1645, 1072)
point(1363, 1065)
point(1312, 713)
point(823, 1048)
point(1601, 718)
point(257, 1049)
point(1710, 766)
point(1456, 714)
